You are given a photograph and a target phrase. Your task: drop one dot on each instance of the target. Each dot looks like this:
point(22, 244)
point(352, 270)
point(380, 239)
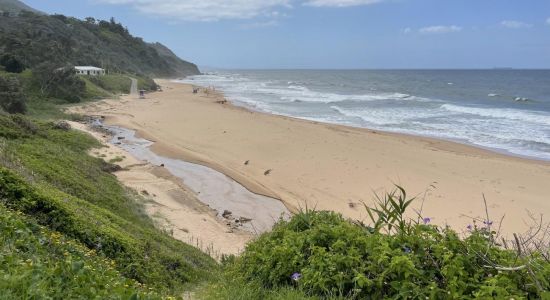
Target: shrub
point(12, 99)
point(11, 64)
point(146, 83)
point(323, 254)
point(61, 83)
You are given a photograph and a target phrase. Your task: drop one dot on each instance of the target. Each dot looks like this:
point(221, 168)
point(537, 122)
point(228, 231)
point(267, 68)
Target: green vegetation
point(15, 6)
point(113, 83)
point(35, 38)
point(41, 94)
point(38, 52)
point(147, 84)
point(320, 254)
point(116, 159)
point(11, 64)
point(35, 259)
point(12, 99)
point(48, 179)
point(50, 81)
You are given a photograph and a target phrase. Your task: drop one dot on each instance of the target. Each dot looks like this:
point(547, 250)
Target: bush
point(11, 64)
point(12, 99)
point(146, 83)
point(322, 254)
point(61, 83)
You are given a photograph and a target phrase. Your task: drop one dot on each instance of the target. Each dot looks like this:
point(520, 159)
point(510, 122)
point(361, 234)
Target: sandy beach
point(332, 167)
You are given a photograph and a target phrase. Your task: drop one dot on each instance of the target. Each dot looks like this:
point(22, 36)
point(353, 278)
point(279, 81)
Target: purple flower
point(407, 249)
point(488, 223)
point(427, 220)
point(469, 227)
point(296, 276)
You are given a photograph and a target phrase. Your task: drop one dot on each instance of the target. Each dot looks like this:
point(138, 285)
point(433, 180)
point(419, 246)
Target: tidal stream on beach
point(255, 213)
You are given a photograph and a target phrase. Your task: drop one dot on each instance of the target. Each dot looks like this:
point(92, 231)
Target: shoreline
point(492, 151)
point(208, 146)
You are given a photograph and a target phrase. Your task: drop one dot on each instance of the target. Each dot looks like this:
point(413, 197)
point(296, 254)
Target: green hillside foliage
point(40, 93)
point(11, 64)
point(12, 98)
point(321, 254)
point(60, 40)
point(37, 262)
point(48, 179)
point(15, 6)
point(113, 83)
point(50, 81)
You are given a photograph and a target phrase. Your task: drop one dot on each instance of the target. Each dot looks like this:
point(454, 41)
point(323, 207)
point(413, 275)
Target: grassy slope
point(35, 259)
point(108, 86)
point(49, 179)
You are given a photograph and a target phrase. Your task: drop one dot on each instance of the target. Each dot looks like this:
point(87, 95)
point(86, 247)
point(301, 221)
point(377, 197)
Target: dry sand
point(332, 167)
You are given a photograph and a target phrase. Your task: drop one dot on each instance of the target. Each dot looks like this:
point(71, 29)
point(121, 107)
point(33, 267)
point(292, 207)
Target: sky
point(334, 34)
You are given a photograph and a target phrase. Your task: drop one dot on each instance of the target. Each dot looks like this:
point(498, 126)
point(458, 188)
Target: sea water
point(504, 110)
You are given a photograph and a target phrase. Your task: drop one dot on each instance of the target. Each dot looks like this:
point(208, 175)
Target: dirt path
point(134, 87)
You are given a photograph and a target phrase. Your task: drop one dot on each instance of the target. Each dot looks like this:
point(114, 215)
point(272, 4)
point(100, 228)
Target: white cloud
point(255, 25)
point(205, 10)
point(548, 21)
point(407, 30)
point(214, 10)
point(340, 3)
point(440, 29)
point(515, 24)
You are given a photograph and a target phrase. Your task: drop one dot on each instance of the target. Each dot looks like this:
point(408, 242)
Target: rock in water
point(226, 214)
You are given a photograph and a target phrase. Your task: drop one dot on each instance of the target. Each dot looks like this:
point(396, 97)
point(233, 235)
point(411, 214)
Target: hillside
point(35, 38)
point(69, 230)
point(15, 6)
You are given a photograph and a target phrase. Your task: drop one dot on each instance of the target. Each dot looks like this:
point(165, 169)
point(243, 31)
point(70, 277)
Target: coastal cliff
point(34, 38)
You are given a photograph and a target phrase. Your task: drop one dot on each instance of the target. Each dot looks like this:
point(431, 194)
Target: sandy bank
point(328, 166)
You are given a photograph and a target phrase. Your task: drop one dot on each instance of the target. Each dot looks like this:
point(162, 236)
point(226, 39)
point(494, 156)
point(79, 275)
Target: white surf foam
point(501, 113)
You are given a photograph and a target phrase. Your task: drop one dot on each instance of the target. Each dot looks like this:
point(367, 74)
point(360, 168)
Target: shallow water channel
point(249, 211)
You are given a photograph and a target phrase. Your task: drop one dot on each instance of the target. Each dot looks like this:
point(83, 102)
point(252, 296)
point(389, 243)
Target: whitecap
point(502, 113)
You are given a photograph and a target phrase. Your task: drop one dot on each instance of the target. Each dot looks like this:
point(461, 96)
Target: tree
point(11, 64)
point(12, 99)
point(90, 20)
point(61, 83)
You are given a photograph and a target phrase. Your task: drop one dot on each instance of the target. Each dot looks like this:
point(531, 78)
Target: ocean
point(503, 110)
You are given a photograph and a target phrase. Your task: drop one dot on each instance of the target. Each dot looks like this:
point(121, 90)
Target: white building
point(88, 70)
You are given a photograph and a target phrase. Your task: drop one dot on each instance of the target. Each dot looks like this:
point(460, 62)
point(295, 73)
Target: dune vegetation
point(321, 255)
point(80, 223)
